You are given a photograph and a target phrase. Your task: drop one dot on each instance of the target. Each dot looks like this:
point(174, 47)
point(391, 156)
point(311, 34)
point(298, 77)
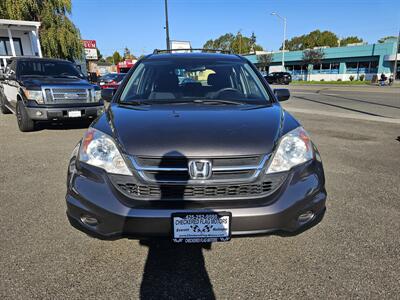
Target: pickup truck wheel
point(25, 123)
point(3, 107)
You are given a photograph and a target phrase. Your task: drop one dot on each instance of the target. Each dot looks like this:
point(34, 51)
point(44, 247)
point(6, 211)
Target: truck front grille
point(68, 95)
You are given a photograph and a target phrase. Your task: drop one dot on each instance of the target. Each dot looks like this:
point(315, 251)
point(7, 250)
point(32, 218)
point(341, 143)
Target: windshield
point(194, 79)
point(108, 76)
point(48, 68)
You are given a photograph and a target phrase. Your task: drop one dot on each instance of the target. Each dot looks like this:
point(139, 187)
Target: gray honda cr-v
point(194, 147)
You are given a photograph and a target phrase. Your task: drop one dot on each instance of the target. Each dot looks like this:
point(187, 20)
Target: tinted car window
point(119, 77)
point(48, 68)
point(194, 79)
point(108, 76)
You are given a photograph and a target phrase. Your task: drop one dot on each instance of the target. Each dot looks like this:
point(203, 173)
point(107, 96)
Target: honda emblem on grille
point(200, 169)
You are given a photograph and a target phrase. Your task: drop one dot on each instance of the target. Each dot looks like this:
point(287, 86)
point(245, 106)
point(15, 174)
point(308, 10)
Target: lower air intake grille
point(208, 191)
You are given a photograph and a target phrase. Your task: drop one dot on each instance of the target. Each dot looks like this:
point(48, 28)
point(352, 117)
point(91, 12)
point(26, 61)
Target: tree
point(264, 60)
point(223, 42)
point(127, 54)
point(110, 59)
point(313, 39)
point(116, 57)
point(384, 39)
point(99, 56)
point(312, 57)
point(236, 43)
point(318, 38)
point(350, 40)
point(58, 35)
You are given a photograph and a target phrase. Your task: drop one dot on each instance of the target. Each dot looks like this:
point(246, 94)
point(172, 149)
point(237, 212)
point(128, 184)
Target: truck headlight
point(34, 95)
point(97, 95)
point(98, 149)
point(294, 148)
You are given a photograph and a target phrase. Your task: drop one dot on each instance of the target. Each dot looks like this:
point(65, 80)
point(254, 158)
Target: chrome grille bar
point(68, 94)
point(254, 169)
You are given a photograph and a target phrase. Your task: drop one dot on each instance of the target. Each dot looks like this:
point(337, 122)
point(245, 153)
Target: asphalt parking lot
point(353, 253)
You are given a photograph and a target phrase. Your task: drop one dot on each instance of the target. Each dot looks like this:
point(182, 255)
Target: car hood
point(30, 82)
point(196, 131)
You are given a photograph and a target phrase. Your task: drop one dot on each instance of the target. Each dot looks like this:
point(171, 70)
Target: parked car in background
point(40, 89)
point(111, 80)
point(196, 160)
point(279, 78)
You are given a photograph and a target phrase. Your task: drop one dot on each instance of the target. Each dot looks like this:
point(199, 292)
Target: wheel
point(25, 123)
point(3, 107)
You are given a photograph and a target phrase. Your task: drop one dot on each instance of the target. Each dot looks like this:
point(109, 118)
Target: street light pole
point(166, 25)
point(284, 38)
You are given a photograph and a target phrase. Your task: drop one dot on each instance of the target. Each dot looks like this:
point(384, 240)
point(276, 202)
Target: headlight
point(97, 95)
point(34, 95)
point(98, 149)
point(294, 148)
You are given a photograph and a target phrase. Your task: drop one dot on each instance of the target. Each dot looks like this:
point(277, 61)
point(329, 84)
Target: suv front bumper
point(94, 195)
point(56, 113)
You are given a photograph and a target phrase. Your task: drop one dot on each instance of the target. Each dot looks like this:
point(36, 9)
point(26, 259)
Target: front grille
point(175, 169)
point(68, 95)
point(182, 162)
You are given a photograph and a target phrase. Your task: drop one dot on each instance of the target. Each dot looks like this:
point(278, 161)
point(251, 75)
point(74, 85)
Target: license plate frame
point(74, 114)
point(201, 232)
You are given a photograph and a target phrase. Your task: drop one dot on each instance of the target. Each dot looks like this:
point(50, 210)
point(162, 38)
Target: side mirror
point(107, 94)
point(11, 76)
point(282, 94)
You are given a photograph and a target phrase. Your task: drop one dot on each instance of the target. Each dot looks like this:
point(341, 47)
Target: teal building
point(338, 63)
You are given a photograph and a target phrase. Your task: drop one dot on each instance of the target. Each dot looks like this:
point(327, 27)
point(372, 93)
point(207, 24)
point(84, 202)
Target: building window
point(5, 47)
point(316, 69)
point(373, 67)
point(334, 68)
point(351, 67)
point(363, 67)
point(325, 68)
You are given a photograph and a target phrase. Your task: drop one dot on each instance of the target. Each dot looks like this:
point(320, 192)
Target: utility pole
point(284, 38)
point(166, 25)
point(395, 57)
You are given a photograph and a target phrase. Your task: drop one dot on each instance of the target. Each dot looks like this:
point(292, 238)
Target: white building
point(18, 38)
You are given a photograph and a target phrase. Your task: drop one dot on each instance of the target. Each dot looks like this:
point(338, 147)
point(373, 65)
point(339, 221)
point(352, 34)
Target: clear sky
point(139, 24)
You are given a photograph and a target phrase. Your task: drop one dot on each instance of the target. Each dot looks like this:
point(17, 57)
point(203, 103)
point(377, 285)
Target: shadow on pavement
point(175, 271)
point(66, 125)
point(340, 106)
point(359, 100)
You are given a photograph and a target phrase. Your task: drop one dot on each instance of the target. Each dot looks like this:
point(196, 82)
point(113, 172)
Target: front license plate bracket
point(201, 227)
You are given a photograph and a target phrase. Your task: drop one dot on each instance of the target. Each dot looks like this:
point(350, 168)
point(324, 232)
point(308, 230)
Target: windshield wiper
point(220, 101)
point(65, 76)
point(34, 75)
point(135, 102)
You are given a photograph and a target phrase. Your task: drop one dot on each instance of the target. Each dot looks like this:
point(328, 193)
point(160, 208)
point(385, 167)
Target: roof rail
point(159, 51)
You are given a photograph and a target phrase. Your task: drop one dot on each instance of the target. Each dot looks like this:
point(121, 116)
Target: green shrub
point(322, 79)
point(362, 77)
point(351, 77)
point(339, 79)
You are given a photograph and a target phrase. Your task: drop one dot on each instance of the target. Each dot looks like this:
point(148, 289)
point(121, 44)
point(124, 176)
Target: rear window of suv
point(182, 79)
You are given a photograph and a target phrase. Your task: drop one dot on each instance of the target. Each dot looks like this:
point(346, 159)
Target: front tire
point(25, 123)
point(4, 110)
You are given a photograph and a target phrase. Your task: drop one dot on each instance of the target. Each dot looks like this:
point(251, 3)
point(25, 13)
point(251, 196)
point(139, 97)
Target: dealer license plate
point(201, 227)
point(74, 114)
